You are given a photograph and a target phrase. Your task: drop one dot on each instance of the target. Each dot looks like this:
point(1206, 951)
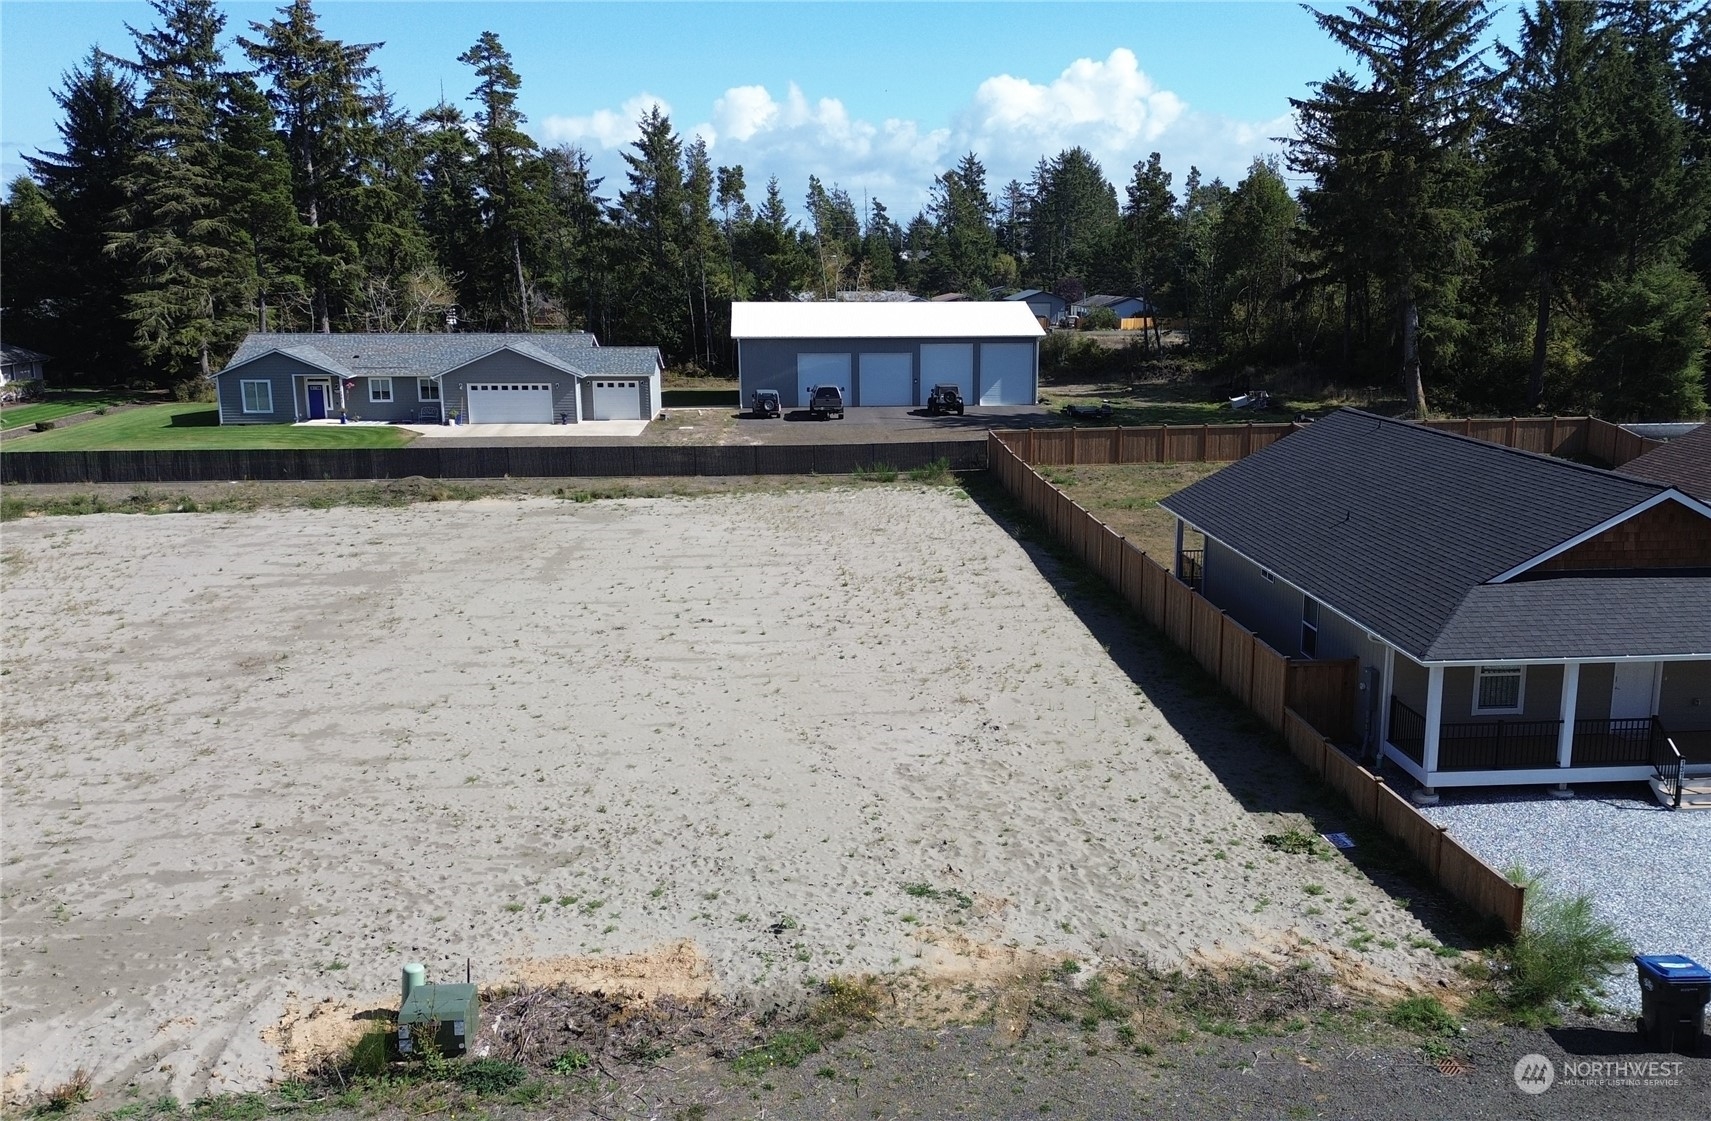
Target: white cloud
point(605, 128)
point(1110, 107)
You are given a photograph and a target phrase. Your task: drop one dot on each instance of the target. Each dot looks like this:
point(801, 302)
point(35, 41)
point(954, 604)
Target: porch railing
point(1498, 745)
point(1193, 567)
point(1408, 731)
point(1612, 743)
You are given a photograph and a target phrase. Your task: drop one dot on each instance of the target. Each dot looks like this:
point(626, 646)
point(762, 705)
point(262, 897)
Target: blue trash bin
point(1674, 990)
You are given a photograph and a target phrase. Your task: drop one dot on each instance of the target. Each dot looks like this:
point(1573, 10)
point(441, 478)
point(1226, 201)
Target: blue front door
point(317, 402)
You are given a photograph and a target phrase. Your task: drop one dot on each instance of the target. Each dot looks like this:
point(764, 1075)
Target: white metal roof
point(926, 320)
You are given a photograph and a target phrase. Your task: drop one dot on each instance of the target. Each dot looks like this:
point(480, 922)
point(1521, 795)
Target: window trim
point(244, 397)
point(1520, 675)
point(1309, 627)
point(429, 384)
point(374, 385)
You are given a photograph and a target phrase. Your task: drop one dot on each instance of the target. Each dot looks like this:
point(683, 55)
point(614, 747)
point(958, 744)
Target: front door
point(317, 402)
point(1631, 690)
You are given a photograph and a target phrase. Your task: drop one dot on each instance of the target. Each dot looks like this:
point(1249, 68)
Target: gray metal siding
point(771, 363)
point(278, 371)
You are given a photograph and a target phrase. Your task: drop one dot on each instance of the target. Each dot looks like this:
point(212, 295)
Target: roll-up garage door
point(947, 362)
point(886, 379)
point(510, 403)
point(617, 400)
point(1006, 373)
point(821, 369)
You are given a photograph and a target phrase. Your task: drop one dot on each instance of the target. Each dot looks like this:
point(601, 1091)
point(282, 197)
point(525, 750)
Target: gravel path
point(1642, 864)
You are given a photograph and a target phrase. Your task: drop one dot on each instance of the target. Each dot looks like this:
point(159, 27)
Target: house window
point(1309, 627)
point(427, 389)
point(258, 396)
point(1266, 576)
point(380, 389)
point(1499, 690)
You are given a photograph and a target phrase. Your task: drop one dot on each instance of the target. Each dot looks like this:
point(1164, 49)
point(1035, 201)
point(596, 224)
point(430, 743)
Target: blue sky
point(876, 97)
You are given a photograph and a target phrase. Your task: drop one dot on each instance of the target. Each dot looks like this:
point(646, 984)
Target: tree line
point(1512, 229)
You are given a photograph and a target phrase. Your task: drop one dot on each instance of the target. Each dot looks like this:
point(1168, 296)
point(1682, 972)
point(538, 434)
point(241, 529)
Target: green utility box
point(451, 1012)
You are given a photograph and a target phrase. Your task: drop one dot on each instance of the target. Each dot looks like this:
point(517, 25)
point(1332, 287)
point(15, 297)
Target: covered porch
point(1548, 723)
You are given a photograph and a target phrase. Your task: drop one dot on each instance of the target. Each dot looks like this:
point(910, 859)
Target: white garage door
point(617, 400)
point(1006, 373)
point(510, 403)
point(942, 362)
point(821, 369)
point(886, 379)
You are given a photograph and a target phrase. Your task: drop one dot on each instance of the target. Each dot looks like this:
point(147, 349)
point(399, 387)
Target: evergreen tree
point(31, 237)
point(82, 298)
point(511, 179)
point(255, 177)
point(966, 246)
point(655, 212)
point(1149, 221)
point(445, 158)
point(579, 241)
point(188, 296)
point(879, 248)
point(1254, 255)
point(317, 94)
point(1421, 107)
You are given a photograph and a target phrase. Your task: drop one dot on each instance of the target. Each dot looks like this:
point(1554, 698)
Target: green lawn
point(60, 403)
point(187, 427)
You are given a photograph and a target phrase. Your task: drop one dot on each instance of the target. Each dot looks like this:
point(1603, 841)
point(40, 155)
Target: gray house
point(1125, 307)
point(422, 379)
point(888, 354)
point(20, 364)
point(1519, 619)
point(1045, 305)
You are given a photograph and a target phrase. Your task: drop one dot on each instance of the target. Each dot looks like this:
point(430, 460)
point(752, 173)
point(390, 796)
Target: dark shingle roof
point(1684, 463)
point(1580, 616)
point(1393, 524)
point(10, 354)
point(410, 355)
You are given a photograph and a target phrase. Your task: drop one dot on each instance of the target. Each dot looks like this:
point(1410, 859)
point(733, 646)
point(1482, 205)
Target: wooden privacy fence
point(1566, 436)
point(1296, 698)
point(455, 460)
point(1457, 870)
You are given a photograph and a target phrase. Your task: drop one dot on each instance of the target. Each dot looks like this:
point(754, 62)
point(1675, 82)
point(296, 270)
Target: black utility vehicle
point(827, 402)
point(763, 403)
point(945, 398)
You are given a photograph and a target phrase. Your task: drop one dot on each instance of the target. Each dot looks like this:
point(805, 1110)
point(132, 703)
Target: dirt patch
point(312, 1034)
point(678, 970)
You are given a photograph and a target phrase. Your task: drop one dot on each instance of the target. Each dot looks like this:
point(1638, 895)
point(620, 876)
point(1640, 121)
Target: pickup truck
point(826, 403)
point(945, 398)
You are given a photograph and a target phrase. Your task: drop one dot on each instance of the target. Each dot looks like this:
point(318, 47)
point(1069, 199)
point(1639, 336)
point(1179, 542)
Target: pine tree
point(1423, 103)
point(255, 177)
point(1149, 222)
point(445, 159)
point(85, 326)
point(188, 297)
point(655, 214)
point(966, 246)
point(511, 177)
point(316, 90)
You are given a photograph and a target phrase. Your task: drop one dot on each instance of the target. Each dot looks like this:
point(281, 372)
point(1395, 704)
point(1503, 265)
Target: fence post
point(1164, 443)
point(1117, 444)
point(1205, 434)
point(1248, 440)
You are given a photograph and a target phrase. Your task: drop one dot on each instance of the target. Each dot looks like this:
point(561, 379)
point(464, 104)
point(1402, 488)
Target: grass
point(1561, 958)
point(785, 1049)
point(185, 427)
point(1126, 499)
point(64, 402)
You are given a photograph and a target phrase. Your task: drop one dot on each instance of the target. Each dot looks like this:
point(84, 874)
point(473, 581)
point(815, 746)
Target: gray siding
point(1541, 695)
point(1271, 609)
point(506, 366)
point(1685, 704)
point(1408, 683)
point(275, 369)
point(771, 364)
point(1592, 701)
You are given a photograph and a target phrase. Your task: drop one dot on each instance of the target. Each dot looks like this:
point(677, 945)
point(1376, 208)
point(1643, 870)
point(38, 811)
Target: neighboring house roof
point(1109, 301)
point(1399, 527)
point(949, 298)
point(1662, 429)
point(424, 356)
point(1683, 463)
point(1027, 294)
point(973, 319)
point(10, 354)
point(882, 296)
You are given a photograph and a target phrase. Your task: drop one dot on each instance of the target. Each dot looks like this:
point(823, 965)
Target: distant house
point(402, 378)
point(19, 364)
point(1125, 307)
point(1518, 618)
point(1683, 463)
point(883, 296)
point(949, 297)
point(888, 353)
point(1045, 305)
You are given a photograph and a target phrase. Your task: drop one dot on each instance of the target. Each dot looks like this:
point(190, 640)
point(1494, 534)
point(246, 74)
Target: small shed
point(889, 354)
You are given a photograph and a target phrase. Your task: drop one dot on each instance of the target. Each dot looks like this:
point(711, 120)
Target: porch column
point(1565, 737)
point(1428, 796)
point(1388, 686)
point(1178, 569)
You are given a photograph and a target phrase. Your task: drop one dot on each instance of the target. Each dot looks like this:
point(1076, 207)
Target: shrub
point(490, 1076)
point(1422, 1015)
point(44, 426)
point(878, 473)
point(369, 1054)
point(936, 472)
point(195, 389)
point(72, 1092)
point(1561, 957)
point(1099, 319)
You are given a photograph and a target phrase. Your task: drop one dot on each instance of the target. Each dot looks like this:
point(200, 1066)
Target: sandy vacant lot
point(252, 762)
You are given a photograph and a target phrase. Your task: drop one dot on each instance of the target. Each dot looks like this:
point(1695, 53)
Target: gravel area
point(1642, 864)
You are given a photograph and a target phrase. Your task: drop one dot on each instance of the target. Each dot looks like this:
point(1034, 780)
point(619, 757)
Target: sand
point(254, 763)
